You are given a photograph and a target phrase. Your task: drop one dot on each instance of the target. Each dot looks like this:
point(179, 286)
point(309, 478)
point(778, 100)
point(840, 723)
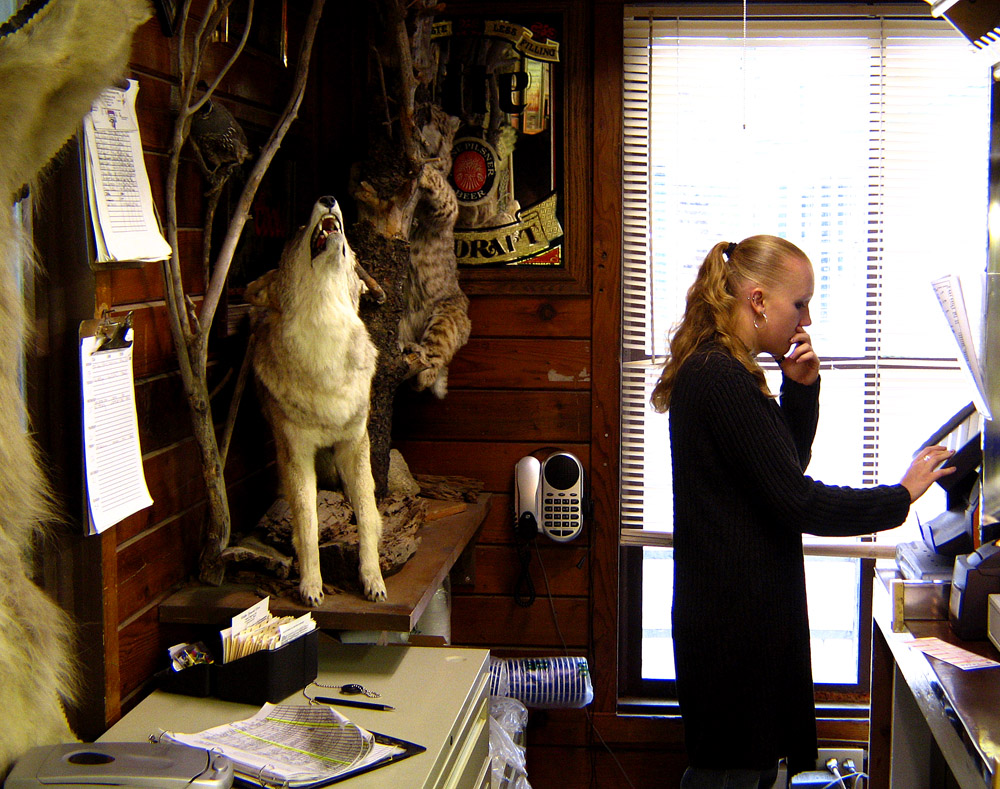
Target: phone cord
point(524, 587)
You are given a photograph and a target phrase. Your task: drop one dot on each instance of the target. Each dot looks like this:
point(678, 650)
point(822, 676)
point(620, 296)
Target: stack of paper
point(118, 193)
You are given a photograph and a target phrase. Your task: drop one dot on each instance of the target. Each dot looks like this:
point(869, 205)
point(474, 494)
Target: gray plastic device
point(548, 496)
point(148, 765)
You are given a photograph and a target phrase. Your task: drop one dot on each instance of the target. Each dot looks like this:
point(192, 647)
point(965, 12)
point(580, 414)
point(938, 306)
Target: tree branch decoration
point(190, 324)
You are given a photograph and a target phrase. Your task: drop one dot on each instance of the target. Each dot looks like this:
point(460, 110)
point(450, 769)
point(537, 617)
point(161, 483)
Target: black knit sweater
point(741, 504)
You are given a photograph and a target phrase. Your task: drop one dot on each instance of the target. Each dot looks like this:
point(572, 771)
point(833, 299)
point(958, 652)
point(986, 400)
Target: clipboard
point(114, 480)
point(408, 749)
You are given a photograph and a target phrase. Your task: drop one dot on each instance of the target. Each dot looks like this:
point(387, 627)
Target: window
point(866, 143)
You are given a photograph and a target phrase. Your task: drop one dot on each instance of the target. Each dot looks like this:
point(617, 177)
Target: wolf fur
point(314, 363)
point(55, 58)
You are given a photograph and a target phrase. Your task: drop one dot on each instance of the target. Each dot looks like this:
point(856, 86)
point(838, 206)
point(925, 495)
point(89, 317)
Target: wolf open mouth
point(328, 224)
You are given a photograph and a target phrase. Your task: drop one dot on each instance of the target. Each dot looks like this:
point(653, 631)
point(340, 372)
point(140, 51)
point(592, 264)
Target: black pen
point(365, 705)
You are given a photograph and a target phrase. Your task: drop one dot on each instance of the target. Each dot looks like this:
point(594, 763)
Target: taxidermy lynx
point(55, 58)
point(435, 321)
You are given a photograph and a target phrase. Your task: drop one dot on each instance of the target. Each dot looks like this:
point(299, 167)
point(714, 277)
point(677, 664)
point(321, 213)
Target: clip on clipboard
point(116, 487)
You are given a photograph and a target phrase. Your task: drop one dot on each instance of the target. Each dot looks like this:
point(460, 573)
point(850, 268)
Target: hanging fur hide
point(55, 58)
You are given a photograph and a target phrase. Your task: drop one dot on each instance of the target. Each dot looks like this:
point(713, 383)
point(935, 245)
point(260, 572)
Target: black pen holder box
point(194, 680)
point(269, 675)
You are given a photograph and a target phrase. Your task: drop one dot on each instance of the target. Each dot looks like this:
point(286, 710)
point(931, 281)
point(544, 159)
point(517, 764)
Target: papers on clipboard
point(118, 193)
point(116, 486)
point(949, 292)
point(298, 746)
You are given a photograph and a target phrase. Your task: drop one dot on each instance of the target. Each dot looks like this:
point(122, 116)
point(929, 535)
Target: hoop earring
point(764, 316)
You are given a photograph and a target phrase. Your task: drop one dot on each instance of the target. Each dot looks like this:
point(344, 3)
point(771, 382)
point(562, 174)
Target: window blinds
point(865, 142)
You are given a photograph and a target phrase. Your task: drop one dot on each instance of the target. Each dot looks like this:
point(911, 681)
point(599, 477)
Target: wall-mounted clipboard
point(113, 476)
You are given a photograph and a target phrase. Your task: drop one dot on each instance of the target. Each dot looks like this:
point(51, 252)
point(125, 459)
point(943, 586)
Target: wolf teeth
point(326, 225)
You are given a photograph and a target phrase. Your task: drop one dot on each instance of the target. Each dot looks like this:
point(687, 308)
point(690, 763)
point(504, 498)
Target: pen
point(365, 705)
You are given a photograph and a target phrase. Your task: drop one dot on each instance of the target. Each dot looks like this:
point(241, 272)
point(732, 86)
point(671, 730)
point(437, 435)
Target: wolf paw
point(311, 593)
point(374, 586)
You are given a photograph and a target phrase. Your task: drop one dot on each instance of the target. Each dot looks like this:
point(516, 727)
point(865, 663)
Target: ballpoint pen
point(365, 705)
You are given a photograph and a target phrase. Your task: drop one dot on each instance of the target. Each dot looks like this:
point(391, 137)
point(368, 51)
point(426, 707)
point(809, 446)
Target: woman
point(741, 504)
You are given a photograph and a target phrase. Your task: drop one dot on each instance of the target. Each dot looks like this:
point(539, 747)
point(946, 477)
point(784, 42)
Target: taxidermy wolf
point(314, 363)
point(56, 56)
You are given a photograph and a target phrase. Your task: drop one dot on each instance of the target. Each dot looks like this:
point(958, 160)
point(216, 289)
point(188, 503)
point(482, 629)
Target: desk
point(932, 724)
point(441, 696)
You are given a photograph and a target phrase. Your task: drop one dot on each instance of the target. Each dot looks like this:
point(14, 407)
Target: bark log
point(384, 187)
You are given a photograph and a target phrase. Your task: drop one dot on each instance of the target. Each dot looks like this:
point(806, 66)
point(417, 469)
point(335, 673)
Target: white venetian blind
point(863, 141)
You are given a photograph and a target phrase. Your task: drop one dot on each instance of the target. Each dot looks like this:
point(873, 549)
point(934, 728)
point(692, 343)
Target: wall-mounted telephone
point(548, 496)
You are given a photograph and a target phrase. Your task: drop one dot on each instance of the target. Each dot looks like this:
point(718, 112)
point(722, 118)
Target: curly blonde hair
point(712, 300)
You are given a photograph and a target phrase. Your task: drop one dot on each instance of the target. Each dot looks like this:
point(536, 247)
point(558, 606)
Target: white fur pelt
point(314, 363)
point(55, 58)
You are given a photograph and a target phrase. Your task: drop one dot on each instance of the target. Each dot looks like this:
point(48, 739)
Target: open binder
point(406, 749)
point(298, 746)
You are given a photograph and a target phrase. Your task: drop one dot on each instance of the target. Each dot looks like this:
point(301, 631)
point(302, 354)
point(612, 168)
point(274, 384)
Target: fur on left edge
point(55, 58)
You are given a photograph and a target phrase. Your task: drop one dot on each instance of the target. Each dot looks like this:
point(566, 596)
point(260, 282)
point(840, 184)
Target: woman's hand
point(924, 472)
point(801, 364)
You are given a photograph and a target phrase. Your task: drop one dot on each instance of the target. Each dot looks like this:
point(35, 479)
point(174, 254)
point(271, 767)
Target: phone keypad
point(561, 513)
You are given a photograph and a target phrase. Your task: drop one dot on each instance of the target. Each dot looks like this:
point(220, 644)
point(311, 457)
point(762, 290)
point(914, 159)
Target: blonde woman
point(742, 501)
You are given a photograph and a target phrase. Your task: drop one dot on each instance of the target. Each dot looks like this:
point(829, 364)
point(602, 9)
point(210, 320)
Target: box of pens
point(260, 658)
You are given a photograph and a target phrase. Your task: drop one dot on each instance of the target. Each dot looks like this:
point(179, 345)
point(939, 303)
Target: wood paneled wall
point(540, 370)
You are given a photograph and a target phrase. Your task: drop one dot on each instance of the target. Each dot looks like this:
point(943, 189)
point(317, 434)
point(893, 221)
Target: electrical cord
point(834, 768)
point(524, 587)
point(562, 640)
point(839, 780)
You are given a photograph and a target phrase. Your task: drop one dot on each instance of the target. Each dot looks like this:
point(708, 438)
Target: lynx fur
point(435, 322)
point(314, 363)
point(55, 58)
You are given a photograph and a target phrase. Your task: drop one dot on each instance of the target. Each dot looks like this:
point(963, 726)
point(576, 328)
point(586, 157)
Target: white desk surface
point(428, 686)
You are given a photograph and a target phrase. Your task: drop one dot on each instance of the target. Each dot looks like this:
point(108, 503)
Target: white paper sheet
point(121, 203)
point(116, 485)
point(949, 293)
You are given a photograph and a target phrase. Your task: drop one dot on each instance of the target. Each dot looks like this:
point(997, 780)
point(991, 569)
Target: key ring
point(351, 689)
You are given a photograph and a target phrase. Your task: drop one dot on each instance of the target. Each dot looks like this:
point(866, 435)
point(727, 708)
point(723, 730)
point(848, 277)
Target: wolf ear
point(258, 292)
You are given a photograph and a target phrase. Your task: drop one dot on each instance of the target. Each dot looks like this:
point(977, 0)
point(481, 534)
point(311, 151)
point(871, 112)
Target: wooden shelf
point(442, 542)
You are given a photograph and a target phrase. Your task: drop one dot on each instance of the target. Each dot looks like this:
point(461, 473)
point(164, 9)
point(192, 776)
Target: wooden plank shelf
point(442, 541)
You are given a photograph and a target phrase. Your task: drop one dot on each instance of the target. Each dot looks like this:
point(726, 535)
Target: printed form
point(291, 745)
point(949, 293)
point(116, 486)
point(121, 202)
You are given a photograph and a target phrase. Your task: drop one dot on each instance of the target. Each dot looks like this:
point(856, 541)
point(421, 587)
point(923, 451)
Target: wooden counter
point(442, 542)
point(932, 724)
